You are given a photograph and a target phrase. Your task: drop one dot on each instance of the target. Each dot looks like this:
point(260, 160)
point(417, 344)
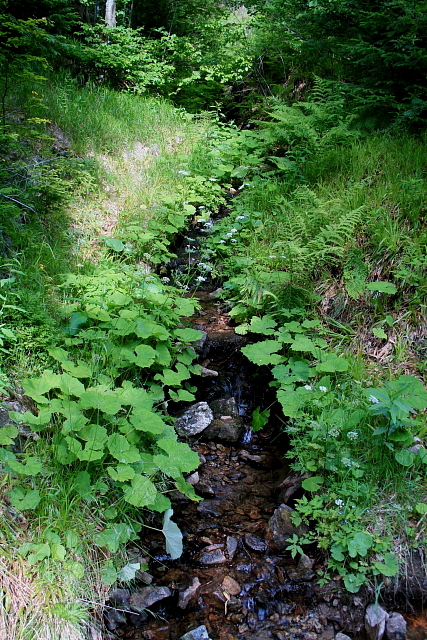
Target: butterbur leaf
point(265, 325)
point(359, 544)
point(129, 571)
point(353, 582)
point(100, 397)
point(262, 353)
point(7, 434)
point(141, 491)
point(32, 466)
point(172, 535)
point(188, 335)
point(182, 396)
point(302, 343)
point(121, 473)
point(404, 457)
point(21, 500)
point(181, 454)
point(161, 503)
point(115, 244)
point(108, 573)
point(313, 483)
point(145, 355)
point(260, 418)
point(174, 378)
point(382, 287)
point(332, 363)
point(58, 552)
point(146, 420)
point(421, 507)
point(112, 537)
point(389, 567)
point(36, 387)
point(71, 386)
point(77, 320)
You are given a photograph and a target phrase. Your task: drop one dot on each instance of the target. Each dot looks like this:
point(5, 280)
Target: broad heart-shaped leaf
point(174, 378)
point(180, 453)
point(141, 491)
point(161, 503)
point(96, 312)
point(167, 465)
point(71, 386)
point(134, 396)
point(263, 352)
point(188, 335)
point(7, 434)
point(32, 466)
point(332, 363)
point(145, 355)
point(404, 457)
point(353, 582)
point(302, 343)
point(389, 567)
point(123, 326)
point(147, 420)
point(181, 395)
point(100, 397)
point(382, 286)
point(21, 500)
point(77, 320)
point(185, 306)
point(359, 544)
point(120, 449)
point(172, 535)
point(59, 354)
point(36, 387)
point(291, 401)
point(129, 571)
point(265, 325)
point(163, 354)
point(121, 473)
point(147, 329)
point(421, 507)
point(313, 483)
point(118, 299)
point(81, 370)
point(112, 537)
point(115, 244)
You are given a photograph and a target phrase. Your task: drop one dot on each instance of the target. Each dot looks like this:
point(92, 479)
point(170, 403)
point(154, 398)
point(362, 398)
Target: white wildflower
point(200, 278)
point(339, 502)
point(222, 242)
point(229, 235)
point(233, 240)
point(271, 257)
point(165, 280)
point(373, 399)
point(234, 230)
point(241, 218)
point(184, 173)
point(324, 389)
point(212, 179)
point(346, 462)
point(352, 435)
point(308, 387)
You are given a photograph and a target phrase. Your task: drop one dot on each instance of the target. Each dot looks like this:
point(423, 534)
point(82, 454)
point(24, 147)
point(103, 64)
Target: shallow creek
point(232, 578)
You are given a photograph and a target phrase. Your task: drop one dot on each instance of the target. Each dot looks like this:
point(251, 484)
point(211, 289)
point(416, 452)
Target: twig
point(27, 206)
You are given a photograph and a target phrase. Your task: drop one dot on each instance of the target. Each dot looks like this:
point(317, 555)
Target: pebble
point(200, 633)
point(185, 595)
point(255, 543)
point(212, 557)
point(231, 586)
point(146, 597)
point(232, 544)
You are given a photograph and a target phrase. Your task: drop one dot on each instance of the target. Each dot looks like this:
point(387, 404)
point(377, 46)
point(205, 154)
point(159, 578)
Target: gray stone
point(193, 479)
point(255, 543)
point(200, 633)
point(232, 544)
point(224, 407)
point(281, 527)
point(395, 628)
point(185, 595)
point(375, 619)
point(342, 636)
point(208, 373)
point(113, 619)
point(210, 508)
point(146, 597)
point(216, 556)
point(199, 344)
point(195, 420)
point(120, 598)
point(228, 430)
point(304, 563)
point(4, 418)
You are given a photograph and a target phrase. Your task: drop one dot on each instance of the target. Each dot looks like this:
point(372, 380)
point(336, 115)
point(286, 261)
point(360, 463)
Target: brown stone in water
point(231, 586)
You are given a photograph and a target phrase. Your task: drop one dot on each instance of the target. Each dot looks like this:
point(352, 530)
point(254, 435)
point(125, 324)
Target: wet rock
point(226, 430)
point(204, 490)
point(146, 597)
point(200, 633)
point(193, 479)
point(185, 595)
point(137, 620)
point(195, 420)
point(208, 373)
point(113, 619)
point(211, 508)
point(199, 344)
point(395, 628)
point(342, 636)
point(224, 407)
point(232, 544)
point(260, 460)
point(231, 586)
point(281, 527)
point(120, 598)
point(305, 563)
point(375, 619)
point(255, 543)
point(214, 556)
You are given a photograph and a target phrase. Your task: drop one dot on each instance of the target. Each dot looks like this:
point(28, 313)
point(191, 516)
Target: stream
point(235, 579)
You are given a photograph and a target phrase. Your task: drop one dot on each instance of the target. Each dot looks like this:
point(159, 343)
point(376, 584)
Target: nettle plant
point(343, 439)
point(126, 354)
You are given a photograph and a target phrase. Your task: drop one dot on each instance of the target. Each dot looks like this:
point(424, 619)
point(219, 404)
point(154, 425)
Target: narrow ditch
point(235, 579)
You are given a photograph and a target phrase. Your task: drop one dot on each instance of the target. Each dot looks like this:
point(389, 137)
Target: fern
point(355, 274)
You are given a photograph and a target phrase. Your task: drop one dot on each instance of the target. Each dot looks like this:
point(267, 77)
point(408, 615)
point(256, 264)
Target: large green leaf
point(188, 335)
point(7, 433)
point(100, 397)
point(36, 387)
point(120, 449)
point(359, 544)
point(174, 378)
point(389, 567)
point(23, 500)
point(32, 466)
point(180, 453)
point(146, 420)
point(121, 473)
point(263, 352)
point(141, 491)
point(71, 386)
point(332, 363)
point(382, 287)
point(145, 355)
point(173, 536)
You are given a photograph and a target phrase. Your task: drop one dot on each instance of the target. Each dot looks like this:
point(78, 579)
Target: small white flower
point(165, 280)
point(212, 179)
point(241, 218)
point(352, 435)
point(202, 207)
point(222, 242)
point(234, 230)
point(229, 235)
point(271, 257)
point(324, 389)
point(233, 240)
point(346, 462)
point(373, 399)
point(339, 502)
point(308, 387)
point(200, 278)
point(184, 173)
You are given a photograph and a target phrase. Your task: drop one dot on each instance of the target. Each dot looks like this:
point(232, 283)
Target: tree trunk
point(110, 13)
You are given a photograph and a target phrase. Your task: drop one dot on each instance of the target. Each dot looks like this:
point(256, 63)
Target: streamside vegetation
point(305, 122)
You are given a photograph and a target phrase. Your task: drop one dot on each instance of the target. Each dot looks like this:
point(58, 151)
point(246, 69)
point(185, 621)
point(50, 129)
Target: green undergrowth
point(96, 341)
point(323, 254)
